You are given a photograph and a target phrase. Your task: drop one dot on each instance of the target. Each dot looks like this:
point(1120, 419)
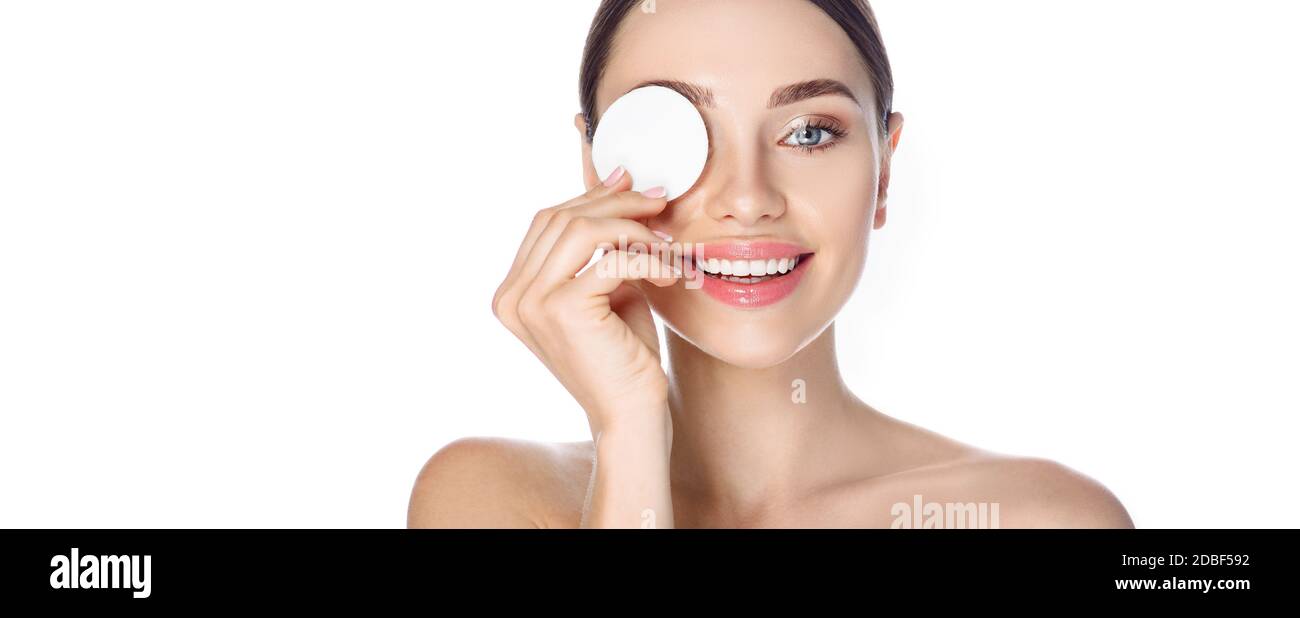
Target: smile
point(747, 271)
point(751, 275)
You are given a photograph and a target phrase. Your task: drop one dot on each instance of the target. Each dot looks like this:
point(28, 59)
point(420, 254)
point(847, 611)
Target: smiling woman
point(751, 424)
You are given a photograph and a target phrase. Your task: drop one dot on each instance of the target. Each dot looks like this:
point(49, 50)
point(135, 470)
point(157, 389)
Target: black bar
point(442, 567)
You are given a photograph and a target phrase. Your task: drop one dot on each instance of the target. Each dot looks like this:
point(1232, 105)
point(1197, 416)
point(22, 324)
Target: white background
point(247, 249)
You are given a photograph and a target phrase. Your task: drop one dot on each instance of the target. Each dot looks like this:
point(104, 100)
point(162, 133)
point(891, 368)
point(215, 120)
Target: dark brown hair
point(855, 17)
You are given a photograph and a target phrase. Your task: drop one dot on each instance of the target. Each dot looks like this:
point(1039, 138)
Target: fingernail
point(656, 192)
point(663, 235)
point(669, 271)
point(614, 176)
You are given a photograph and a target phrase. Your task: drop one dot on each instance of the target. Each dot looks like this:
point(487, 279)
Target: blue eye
point(809, 136)
point(814, 135)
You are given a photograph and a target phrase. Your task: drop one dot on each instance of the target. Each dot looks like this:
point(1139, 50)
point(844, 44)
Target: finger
point(618, 181)
point(615, 268)
point(627, 205)
point(580, 240)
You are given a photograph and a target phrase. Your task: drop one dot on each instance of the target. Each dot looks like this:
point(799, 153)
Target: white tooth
point(758, 268)
point(724, 267)
point(713, 265)
point(771, 266)
point(794, 262)
point(740, 268)
point(783, 266)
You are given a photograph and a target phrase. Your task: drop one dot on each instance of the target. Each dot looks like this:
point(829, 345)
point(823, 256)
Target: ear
point(895, 131)
point(589, 179)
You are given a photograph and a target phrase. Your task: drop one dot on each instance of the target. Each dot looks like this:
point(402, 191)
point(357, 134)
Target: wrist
point(637, 422)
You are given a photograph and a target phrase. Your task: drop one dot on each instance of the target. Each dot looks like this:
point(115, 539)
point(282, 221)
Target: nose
point(742, 190)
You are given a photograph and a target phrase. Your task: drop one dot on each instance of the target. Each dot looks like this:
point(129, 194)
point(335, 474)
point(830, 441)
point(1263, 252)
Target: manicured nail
point(656, 192)
point(614, 176)
point(663, 235)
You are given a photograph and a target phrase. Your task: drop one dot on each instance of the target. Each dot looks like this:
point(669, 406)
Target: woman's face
point(788, 173)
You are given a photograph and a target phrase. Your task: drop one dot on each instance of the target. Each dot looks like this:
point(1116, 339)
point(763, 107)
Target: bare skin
point(507, 483)
point(717, 441)
point(546, 487)
point(870, 463)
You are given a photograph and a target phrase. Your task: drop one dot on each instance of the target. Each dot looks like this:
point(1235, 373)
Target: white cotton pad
point(657, 135)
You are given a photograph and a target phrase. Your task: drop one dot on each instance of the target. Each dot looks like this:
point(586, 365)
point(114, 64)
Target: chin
point(750, 340)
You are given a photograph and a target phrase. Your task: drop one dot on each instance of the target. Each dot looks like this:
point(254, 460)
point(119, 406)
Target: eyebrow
point(701, 96)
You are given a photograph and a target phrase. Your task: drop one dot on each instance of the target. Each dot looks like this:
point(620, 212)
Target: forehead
point(741, 49)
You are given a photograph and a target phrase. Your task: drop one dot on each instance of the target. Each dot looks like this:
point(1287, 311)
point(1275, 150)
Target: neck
point(743, 440)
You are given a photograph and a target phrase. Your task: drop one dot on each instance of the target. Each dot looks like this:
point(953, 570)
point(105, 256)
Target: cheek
point(835, 194)
point(836, 201)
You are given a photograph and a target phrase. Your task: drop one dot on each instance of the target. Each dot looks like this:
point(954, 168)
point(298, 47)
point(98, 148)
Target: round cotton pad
point(657, 135)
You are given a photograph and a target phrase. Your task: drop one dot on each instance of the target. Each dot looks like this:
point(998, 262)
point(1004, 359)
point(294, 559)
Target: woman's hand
point(594, 331)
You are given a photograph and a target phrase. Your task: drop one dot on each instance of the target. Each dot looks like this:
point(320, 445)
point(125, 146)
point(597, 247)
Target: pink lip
point(753, 295)
point(758, 250)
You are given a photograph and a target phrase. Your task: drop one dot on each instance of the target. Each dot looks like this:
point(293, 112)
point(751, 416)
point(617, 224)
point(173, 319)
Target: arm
point(593, 328)
point(629, 486)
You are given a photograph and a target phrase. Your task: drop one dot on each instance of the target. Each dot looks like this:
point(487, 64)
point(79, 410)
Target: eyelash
point(828, 126)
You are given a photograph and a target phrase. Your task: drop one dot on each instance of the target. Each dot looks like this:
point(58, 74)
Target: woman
point(751, 425)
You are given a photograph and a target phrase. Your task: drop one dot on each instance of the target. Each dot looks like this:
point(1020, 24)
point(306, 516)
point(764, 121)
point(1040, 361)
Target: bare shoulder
point(1032, 492)
point(489, 482)
point(929, 470)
